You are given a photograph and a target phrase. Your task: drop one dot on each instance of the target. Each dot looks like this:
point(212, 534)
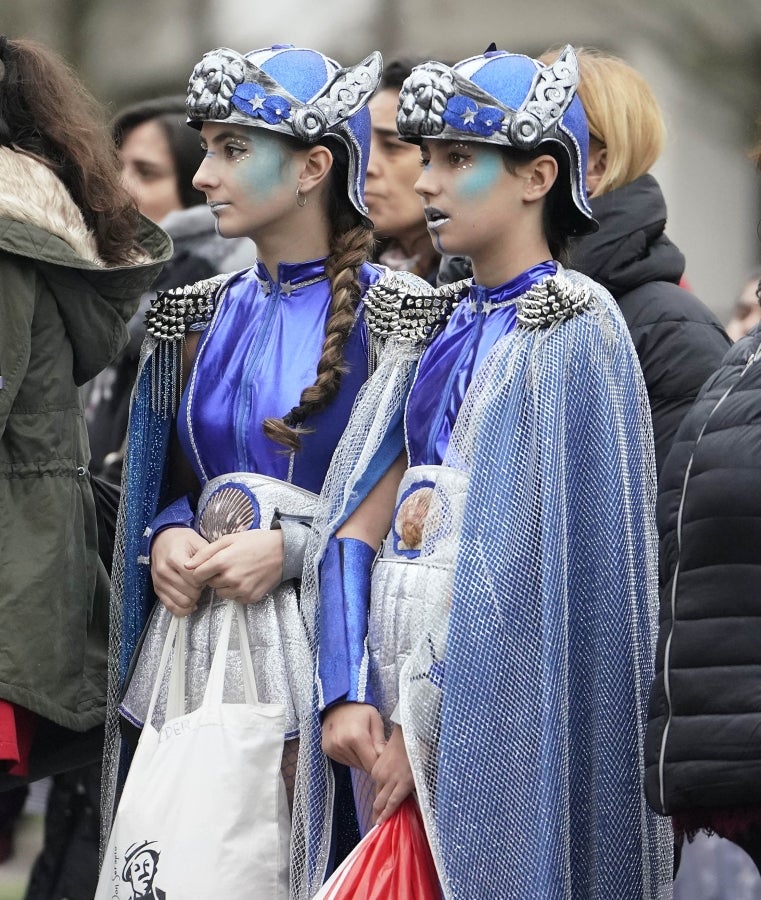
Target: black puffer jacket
point(678, 340)
point(703, 744)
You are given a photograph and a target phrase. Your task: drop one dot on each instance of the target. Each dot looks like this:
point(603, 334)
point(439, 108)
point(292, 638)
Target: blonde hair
point(622, 113)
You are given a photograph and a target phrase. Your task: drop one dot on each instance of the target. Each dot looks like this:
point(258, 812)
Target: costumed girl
point(495, 657)
point(273, 359)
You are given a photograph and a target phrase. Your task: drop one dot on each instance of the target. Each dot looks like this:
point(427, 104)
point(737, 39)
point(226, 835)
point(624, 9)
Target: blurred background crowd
point(702, 59)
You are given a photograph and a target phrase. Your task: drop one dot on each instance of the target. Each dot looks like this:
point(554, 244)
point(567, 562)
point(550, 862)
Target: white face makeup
point(463, 150)
point(243, 147)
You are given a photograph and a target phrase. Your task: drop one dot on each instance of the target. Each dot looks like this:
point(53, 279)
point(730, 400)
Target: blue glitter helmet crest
point(510, 100)
point(294, 91)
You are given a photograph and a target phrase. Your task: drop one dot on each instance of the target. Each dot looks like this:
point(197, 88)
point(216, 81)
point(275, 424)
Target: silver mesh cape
point(523, 699)
point(154, 399)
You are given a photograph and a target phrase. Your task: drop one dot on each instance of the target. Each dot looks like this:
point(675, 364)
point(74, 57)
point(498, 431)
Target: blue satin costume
point(444, 373)
point(256, 356)
point(574, 602)
point(451, 360)
point(268, 336)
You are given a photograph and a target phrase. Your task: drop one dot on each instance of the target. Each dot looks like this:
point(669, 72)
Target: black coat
point(703, 743)
point(678, 340)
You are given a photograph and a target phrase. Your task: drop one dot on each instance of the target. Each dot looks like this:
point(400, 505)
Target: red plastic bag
point(392, 862)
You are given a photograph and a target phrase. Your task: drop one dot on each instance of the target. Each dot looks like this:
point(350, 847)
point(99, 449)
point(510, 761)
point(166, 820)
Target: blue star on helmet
point(253, 100)
point(465, 114)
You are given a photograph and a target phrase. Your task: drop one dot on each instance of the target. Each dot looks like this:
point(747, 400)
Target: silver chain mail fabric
point(523, 698)
point(277, 637)
point(378, 405)
point(524, 703)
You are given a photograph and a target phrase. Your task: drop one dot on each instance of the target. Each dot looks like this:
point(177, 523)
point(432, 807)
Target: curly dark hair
point(48, 113)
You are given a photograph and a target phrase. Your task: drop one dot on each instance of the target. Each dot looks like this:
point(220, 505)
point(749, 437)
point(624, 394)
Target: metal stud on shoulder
point(555, 299)
point(176, 310)
point(407, 307)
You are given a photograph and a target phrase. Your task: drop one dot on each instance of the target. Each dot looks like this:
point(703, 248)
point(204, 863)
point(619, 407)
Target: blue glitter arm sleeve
point(342, 658)
point(179, 514)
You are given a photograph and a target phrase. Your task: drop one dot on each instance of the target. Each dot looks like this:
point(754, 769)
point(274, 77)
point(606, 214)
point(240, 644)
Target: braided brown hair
point(351, 243)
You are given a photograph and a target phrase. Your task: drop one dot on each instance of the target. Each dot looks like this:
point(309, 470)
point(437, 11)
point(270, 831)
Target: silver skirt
point(277, 636)
point(413, 570)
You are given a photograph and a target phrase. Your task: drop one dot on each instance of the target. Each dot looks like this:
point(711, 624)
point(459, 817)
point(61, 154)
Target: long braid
point(349, 250)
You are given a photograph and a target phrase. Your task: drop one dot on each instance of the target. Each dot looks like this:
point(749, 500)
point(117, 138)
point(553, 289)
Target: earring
point(301, 200)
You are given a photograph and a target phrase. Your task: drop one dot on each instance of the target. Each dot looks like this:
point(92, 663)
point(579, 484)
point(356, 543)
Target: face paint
point(261, 169)
point(243, 147)
point(462, 157)
point(485, 171)
point(469, 196)
point(248, 176)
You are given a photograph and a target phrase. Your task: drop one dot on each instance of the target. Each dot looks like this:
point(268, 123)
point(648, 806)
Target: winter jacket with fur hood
point(62, 319)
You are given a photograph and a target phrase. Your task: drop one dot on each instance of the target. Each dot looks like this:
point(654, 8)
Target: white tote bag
point(204, 811)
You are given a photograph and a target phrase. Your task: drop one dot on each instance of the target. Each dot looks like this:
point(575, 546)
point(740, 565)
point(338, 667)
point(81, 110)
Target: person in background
point(392, 170)
point(678, 340)
point(75, 257)
point(159, 156)
point(495, 657)
point(703, 761)
point(746, 313)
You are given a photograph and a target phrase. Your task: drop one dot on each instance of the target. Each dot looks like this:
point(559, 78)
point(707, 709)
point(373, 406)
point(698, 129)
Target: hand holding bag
point(203, 812)
point(392, 862)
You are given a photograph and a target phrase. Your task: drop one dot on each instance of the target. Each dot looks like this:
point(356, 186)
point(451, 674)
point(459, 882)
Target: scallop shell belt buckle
point(230, 508)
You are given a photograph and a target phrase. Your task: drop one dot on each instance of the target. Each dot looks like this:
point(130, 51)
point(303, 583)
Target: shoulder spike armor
point(175, 311)
point(553, 300)
point(404, 306)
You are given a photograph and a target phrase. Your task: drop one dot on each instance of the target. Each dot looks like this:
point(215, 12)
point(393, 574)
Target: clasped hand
point(352, 734)
point(243, 566)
